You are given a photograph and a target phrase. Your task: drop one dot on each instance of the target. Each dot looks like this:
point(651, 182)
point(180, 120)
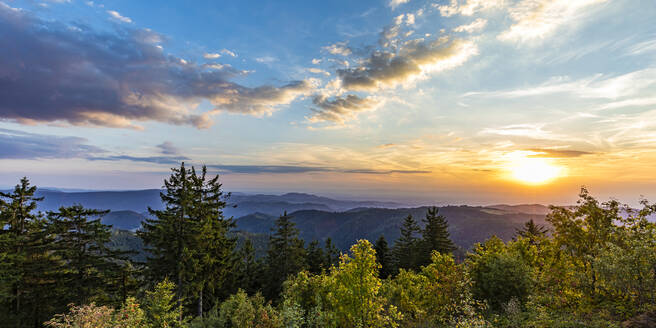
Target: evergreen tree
point(384, 257)
point(214, 248)
point(26, 274)
point(248, 272)
point(315, 257)
point(435, 236)
point(87, 264)
point(532, 231)
point(285, 256)
point(331, 253)
point(406, 248)
point(188, 241)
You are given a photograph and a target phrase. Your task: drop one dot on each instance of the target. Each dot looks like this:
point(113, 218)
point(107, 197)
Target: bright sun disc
point(535, 170)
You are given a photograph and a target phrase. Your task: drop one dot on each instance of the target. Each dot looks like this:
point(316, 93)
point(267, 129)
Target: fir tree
point(384, 258)
point(315, 258)
point(26, 261)
point(87, 264)
point(435, 236)
point(531, 231)
point(406, 247)
point(331, 253)
point(188, 241)
point(285, 256)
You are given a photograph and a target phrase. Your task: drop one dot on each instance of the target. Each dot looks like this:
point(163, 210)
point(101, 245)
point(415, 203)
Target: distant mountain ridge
point(317, 217)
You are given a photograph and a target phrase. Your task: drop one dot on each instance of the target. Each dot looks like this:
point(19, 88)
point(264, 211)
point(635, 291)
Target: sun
point(535, 170)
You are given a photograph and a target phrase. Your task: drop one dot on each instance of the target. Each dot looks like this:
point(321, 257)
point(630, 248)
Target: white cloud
point(395, 3)
point(339, 48)
point(114, 14)
point(228, 52)
point(474, 26)
point(535, 19)
point(266, 59)
point(212, 56)
point(315, 70)
point(316, 61)
point(467, 7)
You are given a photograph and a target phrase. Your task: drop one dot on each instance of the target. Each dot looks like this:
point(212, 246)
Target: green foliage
point(406, 248)
point(384, 258)
point(285, 256)
point(499, 274)
point(242, 311)
point(435, 236)
point(189, 239)
point(93, 316)
point(161, 306)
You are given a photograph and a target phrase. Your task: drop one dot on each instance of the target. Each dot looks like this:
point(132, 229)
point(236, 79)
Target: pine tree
point(188, 241)
point(315, 258)
point(384, 257)
point(248, 271)
point(26, 275)
point(405, 249)
point(214, 248)
point(87, 264)
point(435, 236)
point(332, 254)
point(531, 231)
point(285, 256)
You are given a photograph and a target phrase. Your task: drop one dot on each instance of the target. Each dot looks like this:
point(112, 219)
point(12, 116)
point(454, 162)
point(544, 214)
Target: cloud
point(395, 3)
point(84, 77)
point(557, 153)
point(228, 52)
point(416, 58)
point(23, 145)
point(315, 70)
point(467, 7)
point(170, 160)
point(535, 19)
point(339, 109)
point(596, 86)
point(285, 169)
point(266, 59)
point(168, 148)
point(114, 14)
point(339, 48)
point(475, 26)
point(212, 56)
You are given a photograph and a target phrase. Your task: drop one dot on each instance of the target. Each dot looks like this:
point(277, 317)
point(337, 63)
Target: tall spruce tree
point(435, 236)
point(315, 257)
point(332, 254)
point(26, 262)
point(88, 266)
point(384, 258)
point(188, 241)
point(406, 248)
point(285, 256)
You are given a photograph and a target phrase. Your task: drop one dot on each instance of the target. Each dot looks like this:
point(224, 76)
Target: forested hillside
point(589, 265)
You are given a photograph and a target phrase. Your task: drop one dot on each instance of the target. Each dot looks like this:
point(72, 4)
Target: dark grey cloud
point(339, 109)
point(171, 160)
point(51, 71)
point(556, 153)
point(22, 145)
point(167, 148)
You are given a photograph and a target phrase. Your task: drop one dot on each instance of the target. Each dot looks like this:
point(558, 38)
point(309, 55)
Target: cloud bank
point(54, 72)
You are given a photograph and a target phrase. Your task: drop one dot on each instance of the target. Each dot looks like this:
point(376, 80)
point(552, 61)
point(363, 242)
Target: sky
point(445, 102)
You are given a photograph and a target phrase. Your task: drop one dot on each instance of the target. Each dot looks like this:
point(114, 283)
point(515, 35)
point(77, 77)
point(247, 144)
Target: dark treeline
point(596, 267)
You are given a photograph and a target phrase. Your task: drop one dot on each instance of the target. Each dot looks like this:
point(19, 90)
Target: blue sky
point(440, 101)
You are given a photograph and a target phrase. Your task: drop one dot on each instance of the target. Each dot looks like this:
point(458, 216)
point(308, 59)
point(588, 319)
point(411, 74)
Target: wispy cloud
point(535, 19)
point(115, 14)
point(23, 145)
point(340, 109)
point(395, 3)
point(475, 26)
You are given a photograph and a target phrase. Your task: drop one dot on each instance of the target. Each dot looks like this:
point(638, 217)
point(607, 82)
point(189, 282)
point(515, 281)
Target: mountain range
point(344, 221)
